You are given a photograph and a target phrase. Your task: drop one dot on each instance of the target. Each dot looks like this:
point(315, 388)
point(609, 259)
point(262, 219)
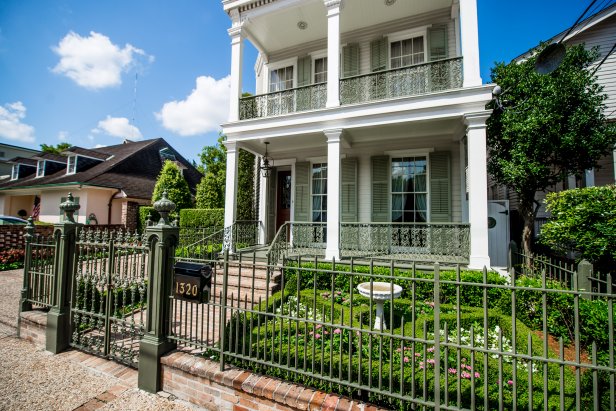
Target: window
point(320, 70)
point(281, 79)
point(409, 190)
point(71, 166)
point(15, 172)
point(407, 52)
point(40, 168)
point(319, 192)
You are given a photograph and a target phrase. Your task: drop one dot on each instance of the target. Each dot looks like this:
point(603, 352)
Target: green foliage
point(246, 186)
point(583, 220)
point(210, 192)
point(552, 126)
point(11, 259)
point(171, 180)
point(143, 215)
point(196, 217)
point(57, 149)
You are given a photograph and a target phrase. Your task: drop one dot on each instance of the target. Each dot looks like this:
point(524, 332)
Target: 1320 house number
point(187, 289)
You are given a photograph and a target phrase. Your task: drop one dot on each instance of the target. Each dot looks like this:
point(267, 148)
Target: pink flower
point(338, 292)
point(465, 375)
point(318, 326)
point(337, 331)
point(417, 354)
point(406, 359)
point(452, 371)
point(311, 332)
point(431, 361)
point(399, 350)
point(431, 349)
point(421, 366)
point(326, 332)
point(477, 375)
point(463, 359)
point(510, 382)
point(317, 336)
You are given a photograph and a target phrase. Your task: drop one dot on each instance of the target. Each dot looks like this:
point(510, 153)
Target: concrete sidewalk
point(33, 379)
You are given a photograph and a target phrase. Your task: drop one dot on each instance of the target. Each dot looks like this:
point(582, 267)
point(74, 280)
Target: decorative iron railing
point(408, 81)
point(284, 102)
point(39, 267)
point(298, 238)
point(206, 243)
point(441, 242)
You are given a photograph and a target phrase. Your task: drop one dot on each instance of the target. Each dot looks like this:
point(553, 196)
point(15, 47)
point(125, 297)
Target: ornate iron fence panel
point(408, 81)
point(297, 238)
point(284, 102)
point(200, 244)
point(109, 298)
point(419, 242)
point(39, 281)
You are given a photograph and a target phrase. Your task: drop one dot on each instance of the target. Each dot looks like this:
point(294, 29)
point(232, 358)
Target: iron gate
point(109, 294)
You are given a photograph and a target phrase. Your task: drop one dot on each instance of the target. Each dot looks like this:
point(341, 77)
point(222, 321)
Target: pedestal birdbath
point(381, 292)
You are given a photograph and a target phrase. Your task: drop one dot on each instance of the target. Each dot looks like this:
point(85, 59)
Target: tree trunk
point(528, 211)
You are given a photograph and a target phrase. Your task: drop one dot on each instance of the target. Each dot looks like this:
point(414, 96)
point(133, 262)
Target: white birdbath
point(381, 292)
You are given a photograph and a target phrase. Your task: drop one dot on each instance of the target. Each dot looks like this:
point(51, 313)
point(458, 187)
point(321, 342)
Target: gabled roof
point(132, 167)
point(23, 160)
point(584, 25)
point(98, 154)
point(50, 156)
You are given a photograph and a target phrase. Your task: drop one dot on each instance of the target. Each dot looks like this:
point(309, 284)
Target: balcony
point(403, 82)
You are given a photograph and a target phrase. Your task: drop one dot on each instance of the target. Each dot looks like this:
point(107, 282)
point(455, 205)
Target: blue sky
point(68, 67)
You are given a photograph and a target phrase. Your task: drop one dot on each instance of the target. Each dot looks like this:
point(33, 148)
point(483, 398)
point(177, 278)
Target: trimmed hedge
point(197, 217)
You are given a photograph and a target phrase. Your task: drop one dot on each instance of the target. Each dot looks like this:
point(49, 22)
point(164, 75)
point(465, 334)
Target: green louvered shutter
point(348, 196)
point(440, 187)
point(271, 206)
point(302, 192)
point(380, 188)
point(437, 37)
point(378, 54)
point(350, 60)
point(304, 68)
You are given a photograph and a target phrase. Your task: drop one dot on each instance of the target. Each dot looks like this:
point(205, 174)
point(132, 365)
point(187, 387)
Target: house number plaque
point(187, 287)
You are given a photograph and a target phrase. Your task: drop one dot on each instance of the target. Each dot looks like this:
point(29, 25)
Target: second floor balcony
point(440, 75)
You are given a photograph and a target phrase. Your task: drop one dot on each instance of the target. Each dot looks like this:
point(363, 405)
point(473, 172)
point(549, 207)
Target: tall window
point(409, 190)
point(40, 168)
point(72, 165)
point(407, 52)
point(281, 79)
point(319, 192)
point(320, 70)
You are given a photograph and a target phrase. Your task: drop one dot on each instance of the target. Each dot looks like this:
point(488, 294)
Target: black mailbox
point(192, 281)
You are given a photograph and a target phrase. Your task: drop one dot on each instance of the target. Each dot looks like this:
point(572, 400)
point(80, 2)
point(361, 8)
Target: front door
point(283, 198)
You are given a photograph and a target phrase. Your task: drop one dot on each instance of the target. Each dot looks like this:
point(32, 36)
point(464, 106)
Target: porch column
point(230, 191)
point(470, 43)
point(478, 188)
point(333, 193)
point(333, 52)
point(262, 217)
point(237, 55)
point(463, 183)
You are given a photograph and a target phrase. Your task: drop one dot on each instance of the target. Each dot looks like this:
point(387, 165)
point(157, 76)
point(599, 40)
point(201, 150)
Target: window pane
point(396, 49)
point(420, 183)
point(408, 189)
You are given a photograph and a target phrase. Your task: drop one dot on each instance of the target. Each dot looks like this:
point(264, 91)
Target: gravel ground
point(33, 379)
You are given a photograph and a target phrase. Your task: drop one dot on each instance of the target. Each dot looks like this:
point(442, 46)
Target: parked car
point(8, 220)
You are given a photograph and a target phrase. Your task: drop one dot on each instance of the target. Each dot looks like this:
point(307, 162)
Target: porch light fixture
point(389, 2)
point(302, 25)
point(266, 166)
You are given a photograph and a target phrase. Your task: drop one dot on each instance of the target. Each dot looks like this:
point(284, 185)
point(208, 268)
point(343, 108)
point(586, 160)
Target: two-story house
point(372, 113)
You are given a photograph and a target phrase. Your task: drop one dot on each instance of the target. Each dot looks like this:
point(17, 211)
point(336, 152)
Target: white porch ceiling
point(274, 27)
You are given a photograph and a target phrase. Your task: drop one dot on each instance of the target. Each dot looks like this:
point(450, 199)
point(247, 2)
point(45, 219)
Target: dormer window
point(71, 165)
point(40, 168)
point(15, 172)
point(167, 154)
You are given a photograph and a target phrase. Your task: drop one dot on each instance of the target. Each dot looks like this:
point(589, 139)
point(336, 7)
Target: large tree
point(57, 149)
point(551, 126)
point(173, 182)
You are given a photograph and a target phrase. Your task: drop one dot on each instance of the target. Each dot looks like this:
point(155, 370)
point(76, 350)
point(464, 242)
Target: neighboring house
point(108, 182)
point(7, 152)
point(374, 111)
point(598, 30)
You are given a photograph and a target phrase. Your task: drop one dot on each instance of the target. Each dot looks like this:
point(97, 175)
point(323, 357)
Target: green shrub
point(143, 215)
point(196, 217)
point(11, 259)
point(583, 220)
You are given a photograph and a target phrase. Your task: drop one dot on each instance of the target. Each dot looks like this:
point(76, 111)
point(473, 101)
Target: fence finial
point(69, 207)
point(29, 229)
point(164, 206)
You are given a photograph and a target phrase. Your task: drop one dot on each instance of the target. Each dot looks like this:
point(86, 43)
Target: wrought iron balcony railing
point(284, 102)
point(442, 242)
point(408, 81)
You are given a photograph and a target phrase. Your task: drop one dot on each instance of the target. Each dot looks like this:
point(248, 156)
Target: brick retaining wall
point(201, 382)
point(12, 236)
point(32, 327)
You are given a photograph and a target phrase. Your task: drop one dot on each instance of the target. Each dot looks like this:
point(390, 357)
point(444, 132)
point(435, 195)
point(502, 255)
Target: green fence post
point(25, 305)
point(162, 239)
point(584, 272)
point(58, 332)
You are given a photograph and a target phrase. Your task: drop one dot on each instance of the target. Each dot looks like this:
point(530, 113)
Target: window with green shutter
point(437, 37)
point(378, 55)
point(304, 66)
point(350, 60)
point(302, 192)
point(380, 188)
point(440, 187)
point(348, 195)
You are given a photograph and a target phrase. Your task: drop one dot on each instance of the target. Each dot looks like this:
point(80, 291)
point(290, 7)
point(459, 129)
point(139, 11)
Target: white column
point(470, 43)
point(478, 188)
point(262, 217)
point(237, 56)
point(463, 180)
point(332, 249)
point(333, 52)
point(231, 188)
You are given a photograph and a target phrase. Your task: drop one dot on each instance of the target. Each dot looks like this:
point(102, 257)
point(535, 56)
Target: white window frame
point(407, 35)
point(68, 165)
point(15, 172)
point(316, 56)
point(40, 171)
point(278, 65)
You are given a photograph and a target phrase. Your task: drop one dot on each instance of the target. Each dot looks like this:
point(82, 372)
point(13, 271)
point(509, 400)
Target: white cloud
point(63, 136)
point(11, 126)
point(94, 62)
point(118, 127)
point(202, 111)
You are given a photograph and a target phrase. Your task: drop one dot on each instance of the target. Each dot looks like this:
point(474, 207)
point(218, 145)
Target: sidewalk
point(33, 379)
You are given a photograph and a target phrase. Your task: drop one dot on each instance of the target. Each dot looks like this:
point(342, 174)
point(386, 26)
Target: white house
point(374, 115)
